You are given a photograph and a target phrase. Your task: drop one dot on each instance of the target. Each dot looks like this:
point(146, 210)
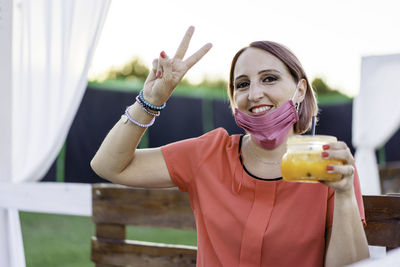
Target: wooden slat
point(389, 170)
point(382, 214)
point(114, 206)
point(114, 231)
point(135, 206)
point(389, 174)
point(135, 253)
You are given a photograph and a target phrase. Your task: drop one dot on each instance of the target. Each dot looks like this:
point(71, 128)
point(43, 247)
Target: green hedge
point(202, 92)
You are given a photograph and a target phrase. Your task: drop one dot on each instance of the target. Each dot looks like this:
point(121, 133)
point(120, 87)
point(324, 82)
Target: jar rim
point(310, 139)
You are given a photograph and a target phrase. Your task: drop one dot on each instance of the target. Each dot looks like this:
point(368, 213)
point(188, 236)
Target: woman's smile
point(260, 110)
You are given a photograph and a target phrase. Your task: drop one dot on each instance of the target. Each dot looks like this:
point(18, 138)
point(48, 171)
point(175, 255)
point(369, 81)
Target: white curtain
point(376, 115)
point(52, 45)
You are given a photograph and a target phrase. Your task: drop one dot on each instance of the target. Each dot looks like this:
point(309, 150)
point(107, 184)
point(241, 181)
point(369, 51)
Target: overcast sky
point(329, 37)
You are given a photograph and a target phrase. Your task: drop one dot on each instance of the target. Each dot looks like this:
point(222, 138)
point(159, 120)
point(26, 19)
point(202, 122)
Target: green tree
point(327, 94)
point(321, 87)
point(134, 69)
point(214, 83)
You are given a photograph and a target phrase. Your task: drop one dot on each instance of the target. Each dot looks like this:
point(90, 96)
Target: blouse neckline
point(245, 169)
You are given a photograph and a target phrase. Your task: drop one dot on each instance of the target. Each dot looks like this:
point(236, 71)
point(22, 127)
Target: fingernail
point(324, 154)
point(329, 168)
point(325, 147)
point(163, 55)
point(159, 74)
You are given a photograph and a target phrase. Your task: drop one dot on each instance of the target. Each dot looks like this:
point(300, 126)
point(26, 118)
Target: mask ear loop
point(297, 105)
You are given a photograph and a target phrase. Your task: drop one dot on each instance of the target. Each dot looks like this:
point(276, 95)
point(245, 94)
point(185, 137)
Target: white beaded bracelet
point(128, 117)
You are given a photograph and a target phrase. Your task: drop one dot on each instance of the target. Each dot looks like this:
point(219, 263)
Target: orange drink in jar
point(303, 162)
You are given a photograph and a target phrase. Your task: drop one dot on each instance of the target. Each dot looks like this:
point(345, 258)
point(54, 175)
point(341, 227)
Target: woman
point(246, 215)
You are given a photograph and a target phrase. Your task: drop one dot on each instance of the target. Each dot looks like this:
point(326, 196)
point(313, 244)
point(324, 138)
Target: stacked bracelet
point(138, 123)
point(148, 108)
point(148, 105)
point(156, 114)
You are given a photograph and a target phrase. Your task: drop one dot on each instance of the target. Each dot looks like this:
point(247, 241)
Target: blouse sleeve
point(360, 203)
point(184, 157)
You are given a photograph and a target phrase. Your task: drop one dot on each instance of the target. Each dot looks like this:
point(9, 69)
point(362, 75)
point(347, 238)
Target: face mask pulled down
point(271, 129)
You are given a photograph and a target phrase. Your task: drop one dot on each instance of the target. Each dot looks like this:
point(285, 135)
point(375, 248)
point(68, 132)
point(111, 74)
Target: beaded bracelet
point(148, 105)
point(138, 123)
point(145, 109)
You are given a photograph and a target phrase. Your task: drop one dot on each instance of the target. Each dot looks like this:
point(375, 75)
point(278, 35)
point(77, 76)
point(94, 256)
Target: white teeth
point(261, 109)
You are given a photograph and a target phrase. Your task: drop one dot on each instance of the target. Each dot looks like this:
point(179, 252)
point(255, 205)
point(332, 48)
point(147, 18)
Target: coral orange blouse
point(243, 220)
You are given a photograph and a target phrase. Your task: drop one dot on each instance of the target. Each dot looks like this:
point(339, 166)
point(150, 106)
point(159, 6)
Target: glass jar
point(303, 162)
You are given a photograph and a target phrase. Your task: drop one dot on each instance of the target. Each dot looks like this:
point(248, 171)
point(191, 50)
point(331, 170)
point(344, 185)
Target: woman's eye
point(242, 85)
point(270, 78)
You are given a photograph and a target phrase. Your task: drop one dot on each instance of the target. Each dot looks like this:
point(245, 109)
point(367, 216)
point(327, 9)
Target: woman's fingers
point(155, 65)
point(181, 51)
point(338, 150)
point(345, 170)
point(184, 45)
point(346, 183)
point(193, 59)
point(167, 72)
point(153, 71)
point(161, 65)
point(344, 155)
point(166, 66)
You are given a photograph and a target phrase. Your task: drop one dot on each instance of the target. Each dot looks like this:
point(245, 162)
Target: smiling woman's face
point(262, 82)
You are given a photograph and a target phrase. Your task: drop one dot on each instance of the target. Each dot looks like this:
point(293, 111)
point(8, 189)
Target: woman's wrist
point(152, 99)
point(147, 105)
point(347, 194)
point(146, 109)
point(136, 111)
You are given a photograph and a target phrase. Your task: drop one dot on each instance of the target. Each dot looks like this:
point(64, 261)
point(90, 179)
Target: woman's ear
point(301, 90)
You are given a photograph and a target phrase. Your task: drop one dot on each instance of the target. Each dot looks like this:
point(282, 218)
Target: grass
point(52, 240)
point(56, 240)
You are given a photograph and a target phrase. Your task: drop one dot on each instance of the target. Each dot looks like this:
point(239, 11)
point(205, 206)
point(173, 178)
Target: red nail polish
point(325, 147)
point(159, 74)
point(329, 168)
point(324, 154)
point(163, 55)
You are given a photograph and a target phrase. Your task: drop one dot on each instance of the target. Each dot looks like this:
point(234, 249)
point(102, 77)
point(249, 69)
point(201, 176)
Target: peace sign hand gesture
point(168, 72)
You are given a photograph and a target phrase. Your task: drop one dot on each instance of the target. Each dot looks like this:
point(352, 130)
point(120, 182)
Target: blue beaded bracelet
point(148, 105)
point(152, 113)
point(138, 123)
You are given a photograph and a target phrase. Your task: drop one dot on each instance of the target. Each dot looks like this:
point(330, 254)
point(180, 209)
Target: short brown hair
point(308, 107)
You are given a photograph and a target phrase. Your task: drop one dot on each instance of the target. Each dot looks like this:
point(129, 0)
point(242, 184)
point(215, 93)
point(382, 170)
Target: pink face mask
point(270, 130)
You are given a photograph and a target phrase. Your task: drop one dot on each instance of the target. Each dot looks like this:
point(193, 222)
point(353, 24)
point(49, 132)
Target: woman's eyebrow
point(260, 72)
point(240, 76)
point(269, 70)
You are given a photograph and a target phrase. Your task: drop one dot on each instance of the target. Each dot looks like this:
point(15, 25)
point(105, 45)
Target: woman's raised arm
point(117, 159)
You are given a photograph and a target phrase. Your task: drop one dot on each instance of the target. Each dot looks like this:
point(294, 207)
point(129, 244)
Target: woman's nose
point(255, 93)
